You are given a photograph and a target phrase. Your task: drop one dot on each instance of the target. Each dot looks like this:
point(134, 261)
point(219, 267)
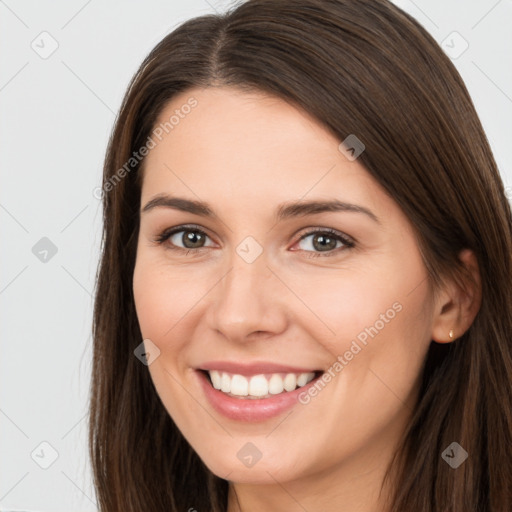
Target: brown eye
point(184, 238)
point(189, 239)
point(324, 241)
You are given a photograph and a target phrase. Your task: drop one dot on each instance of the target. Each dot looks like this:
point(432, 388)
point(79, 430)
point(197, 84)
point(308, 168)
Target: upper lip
point(256, 368)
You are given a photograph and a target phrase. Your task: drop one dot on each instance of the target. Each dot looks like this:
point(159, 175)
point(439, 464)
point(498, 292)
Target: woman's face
point(274, 289)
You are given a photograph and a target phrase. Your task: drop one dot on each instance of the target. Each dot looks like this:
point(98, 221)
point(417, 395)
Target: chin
point(261, 472)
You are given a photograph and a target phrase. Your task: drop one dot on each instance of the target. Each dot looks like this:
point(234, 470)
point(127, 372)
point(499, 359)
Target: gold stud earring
point(450, 334)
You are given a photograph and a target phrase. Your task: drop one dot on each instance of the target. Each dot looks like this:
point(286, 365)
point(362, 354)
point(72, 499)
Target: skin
point(245, 154)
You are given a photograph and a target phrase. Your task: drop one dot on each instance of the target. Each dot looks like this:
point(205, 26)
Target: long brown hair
point(363, 68)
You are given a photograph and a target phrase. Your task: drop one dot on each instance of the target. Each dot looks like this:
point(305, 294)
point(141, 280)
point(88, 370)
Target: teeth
point(302, 380)
point(290, 382)
point(240, 386)
point(258, 386)
point(275, 385)
point(225, 383)
point(216, 379)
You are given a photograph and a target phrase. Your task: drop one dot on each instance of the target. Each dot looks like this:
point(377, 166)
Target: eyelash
point(167, 233)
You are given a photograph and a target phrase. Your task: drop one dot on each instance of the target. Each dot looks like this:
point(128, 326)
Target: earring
point(450, 334)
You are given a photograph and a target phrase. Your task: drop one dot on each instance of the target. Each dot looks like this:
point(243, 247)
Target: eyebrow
point(284, 211)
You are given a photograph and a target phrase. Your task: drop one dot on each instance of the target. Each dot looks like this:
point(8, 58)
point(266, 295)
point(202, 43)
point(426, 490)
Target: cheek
point(164, 304)
point(341, 304)
point(377, 321)
point(386, 294)
point(162, 296)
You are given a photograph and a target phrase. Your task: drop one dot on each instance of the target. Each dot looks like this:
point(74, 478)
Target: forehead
point(252, 148)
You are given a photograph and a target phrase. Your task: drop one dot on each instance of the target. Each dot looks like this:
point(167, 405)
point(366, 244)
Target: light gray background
point(56, 115)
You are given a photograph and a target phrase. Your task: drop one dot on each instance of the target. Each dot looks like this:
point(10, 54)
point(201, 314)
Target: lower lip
point(250, 410)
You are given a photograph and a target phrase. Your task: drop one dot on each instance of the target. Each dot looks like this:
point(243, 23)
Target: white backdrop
point(64, 69)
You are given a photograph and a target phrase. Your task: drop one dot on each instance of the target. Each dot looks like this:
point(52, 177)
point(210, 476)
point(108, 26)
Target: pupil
point(193, 238)
point(324, 242)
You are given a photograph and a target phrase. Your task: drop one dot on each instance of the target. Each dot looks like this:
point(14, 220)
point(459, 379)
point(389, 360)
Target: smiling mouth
point(261, 386)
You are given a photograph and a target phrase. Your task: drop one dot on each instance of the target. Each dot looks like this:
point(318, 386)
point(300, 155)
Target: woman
point(303, 300)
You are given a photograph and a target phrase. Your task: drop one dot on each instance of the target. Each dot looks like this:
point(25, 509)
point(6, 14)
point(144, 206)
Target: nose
point(249, 301)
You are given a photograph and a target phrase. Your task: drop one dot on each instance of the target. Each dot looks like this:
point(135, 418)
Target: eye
point(322, 242)
point(326, 240)
point(191, 237)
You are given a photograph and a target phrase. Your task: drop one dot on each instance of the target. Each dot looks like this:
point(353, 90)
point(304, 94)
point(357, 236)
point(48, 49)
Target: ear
point(456, 306)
